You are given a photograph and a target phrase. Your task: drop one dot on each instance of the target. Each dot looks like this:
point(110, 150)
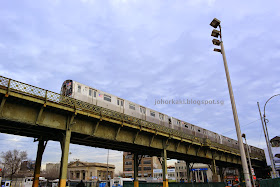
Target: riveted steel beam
point(151, 141)
point(117, 133)
point(2, 104)
point(136, 135)
point(41, 147)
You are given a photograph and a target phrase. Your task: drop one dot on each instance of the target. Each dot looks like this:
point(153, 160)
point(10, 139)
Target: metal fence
point(270, 182)
point(177, 184)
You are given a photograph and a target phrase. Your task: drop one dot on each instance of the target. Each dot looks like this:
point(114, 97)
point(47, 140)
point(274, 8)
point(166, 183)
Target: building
point(26, 169)
point(198, 172)
point(171, 174)
point(145, 168)
point(275, 142)
point(51, 167)
point(89, 171)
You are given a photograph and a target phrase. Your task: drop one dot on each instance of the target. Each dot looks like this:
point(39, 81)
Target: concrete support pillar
point(221, 172)
point(214, 171)
point(164, 168)
point(64, 158)
point(41, 147)
point(188, 171)
point(135, 169)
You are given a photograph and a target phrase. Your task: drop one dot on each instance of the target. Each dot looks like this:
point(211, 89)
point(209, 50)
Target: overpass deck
point(35, 112)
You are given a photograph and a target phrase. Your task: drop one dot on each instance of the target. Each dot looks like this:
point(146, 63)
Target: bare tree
point(52, 173)
point(11, 161)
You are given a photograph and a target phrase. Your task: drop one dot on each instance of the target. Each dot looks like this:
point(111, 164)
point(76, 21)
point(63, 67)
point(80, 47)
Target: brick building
point(145, 168)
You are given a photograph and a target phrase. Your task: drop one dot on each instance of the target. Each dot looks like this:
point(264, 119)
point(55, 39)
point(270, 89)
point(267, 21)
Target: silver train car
point(91, 95)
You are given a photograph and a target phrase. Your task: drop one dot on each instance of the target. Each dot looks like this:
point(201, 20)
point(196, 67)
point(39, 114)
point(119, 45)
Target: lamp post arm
point(267, 102)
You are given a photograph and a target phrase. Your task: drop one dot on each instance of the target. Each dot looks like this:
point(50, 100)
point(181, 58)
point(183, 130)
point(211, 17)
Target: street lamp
point(218, 33)
point(264, 124)
point(249, 159)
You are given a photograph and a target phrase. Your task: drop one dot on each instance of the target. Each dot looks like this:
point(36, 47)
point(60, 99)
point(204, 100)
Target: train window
point(152, 113)
point(178, 122)
point(79, 88)
point(131, 106)
point(94, 93)
point(142, 110)
point(120, 102)
point(161, 116)
point(89, 92)
point(107, 98)
point(187, 126)
point(198, 130)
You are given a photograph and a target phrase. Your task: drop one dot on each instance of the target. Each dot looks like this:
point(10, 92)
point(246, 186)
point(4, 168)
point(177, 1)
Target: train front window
point(66, 89)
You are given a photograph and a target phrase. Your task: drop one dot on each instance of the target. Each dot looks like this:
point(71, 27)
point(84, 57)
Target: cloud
point(147, 50)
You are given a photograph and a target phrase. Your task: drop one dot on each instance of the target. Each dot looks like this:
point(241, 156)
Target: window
point(128, 163)
point(131, 106)
point(128, 156)
point(120, 102)
point(187, 126)
point(147, 162)
point(142, 110)
point(79, 88)
point(152, 113)
point(107, 98)
point(178, 122)
point(161, 117)
point(198, 130)
point(94, 93)
point(89, 92)
point(147, 168)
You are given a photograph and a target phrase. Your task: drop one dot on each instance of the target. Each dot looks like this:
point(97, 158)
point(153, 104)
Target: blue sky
point(147, 50)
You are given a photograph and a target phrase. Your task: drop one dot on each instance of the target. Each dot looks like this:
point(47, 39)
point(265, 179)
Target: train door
point(205, 135)
point(120, 105)
point(161, 119)
point(92, 96)
point(170, 121)
point(142, 113)
point(193, 130)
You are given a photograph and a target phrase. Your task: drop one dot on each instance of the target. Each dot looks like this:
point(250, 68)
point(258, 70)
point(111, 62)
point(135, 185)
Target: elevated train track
point(30, 111)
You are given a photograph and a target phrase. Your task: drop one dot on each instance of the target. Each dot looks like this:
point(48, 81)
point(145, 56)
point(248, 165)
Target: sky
point(145, 51)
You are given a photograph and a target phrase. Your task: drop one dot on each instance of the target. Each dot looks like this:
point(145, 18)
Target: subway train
point(91, 95)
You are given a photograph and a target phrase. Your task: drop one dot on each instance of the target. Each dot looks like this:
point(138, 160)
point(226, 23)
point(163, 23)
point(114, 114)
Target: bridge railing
point(49, 96)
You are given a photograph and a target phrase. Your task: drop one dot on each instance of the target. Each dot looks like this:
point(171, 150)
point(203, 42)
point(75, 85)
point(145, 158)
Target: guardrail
point(46, 95)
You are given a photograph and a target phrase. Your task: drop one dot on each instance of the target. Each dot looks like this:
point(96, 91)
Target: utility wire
point(241, 126)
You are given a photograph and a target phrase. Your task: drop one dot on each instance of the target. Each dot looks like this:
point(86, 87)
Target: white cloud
point(146, 50)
